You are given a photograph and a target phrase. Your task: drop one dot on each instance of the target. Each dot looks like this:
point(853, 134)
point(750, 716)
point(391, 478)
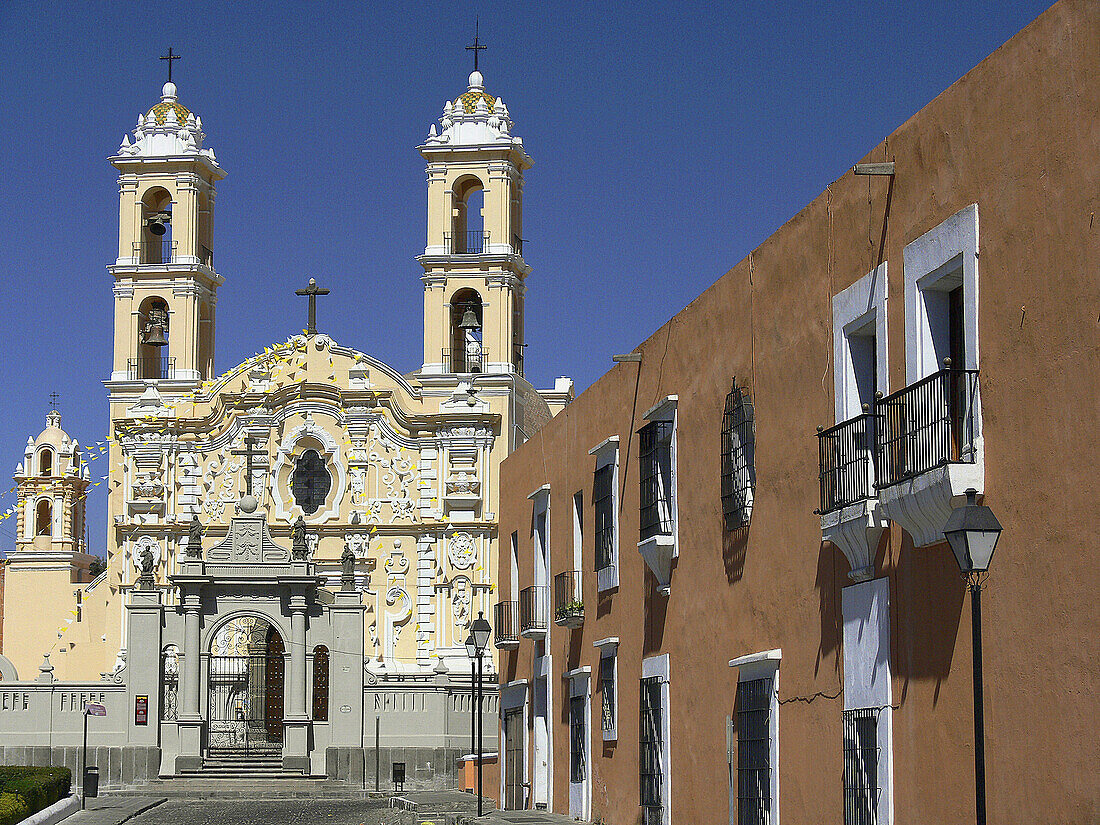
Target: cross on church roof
point(249, 454)
point(312, 291)
point(170, 57)
point(53, 399)
point(477, 47)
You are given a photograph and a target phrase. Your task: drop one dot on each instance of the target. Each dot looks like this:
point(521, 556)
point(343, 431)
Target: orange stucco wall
point(1020, 137)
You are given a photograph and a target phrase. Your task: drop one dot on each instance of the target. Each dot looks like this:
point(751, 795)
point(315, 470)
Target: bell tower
point(165, 282)
point(473, 263)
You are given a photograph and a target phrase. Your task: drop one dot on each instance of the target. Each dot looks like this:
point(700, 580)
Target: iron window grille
point(577, 767)
point(655, 473)
point(607, 693)
point(753, 752)
point(320, 684)
point(861, 755)
point(170, 683)
point(738, 458)
point(310, 482)
point(651, 769)
point(603, 505)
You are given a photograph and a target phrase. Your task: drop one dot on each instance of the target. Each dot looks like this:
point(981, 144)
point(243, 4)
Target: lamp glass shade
point(481, 631)
point(471, 647)
point(972, 531)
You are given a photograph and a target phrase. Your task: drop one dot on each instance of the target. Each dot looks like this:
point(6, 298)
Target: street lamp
point(972, 531)
point(475, 648)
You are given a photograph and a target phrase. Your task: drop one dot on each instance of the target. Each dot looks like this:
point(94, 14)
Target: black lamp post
point(475, 647)
point(972, 531)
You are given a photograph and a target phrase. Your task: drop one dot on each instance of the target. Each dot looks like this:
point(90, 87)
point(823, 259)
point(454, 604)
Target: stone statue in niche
point(347, 569)
point(299, 550)
point(194, 538)
point(145, 564)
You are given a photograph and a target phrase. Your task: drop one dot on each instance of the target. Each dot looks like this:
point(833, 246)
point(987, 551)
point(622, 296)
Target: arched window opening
point(152, 323)
point(320, 684)
point(45, 463)
point(310, 483)
point(467, 353)
point(738, 458)
point(205, 231)
point(156, 245)
point(468, 235)
point(169, 683)
point(206, 341)
point(44, 518)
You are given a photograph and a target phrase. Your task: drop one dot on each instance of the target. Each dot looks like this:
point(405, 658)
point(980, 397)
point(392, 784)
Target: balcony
point(517, 245)
point(850, 518)
point(156, 369)
point(147, 253)
point(929, 450)
point(568, 599)
point(471, 242)
point(465, 362)
point(506, 625)
point(206, 256)
point(534, 612)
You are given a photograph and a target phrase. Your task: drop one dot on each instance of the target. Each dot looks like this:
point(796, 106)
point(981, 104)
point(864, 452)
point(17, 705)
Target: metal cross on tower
point(477, 47)
point(53, 399)
point(249, 454)
point(312, 291)
point(170, 57)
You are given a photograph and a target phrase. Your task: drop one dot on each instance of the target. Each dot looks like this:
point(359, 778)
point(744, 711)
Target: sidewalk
point(113, 810)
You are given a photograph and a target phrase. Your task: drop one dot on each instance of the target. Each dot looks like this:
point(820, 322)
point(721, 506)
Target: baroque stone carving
point(461, 550)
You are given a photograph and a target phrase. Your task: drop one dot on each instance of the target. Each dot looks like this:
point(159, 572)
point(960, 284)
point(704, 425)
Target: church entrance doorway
point(246, 684)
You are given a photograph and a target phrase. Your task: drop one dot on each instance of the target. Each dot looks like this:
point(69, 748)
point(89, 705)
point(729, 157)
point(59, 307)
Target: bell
point(154, 335)
point(469, 320)
point(157, 227)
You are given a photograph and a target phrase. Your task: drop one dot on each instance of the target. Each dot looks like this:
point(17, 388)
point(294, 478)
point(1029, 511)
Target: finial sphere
point(168, 91)
point(476, 80)
point(313, 282)
point(248, 503)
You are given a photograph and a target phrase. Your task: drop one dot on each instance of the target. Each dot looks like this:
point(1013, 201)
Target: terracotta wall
point(1020, 137)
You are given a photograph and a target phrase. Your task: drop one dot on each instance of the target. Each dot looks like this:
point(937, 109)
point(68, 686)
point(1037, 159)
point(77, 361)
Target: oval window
point(310, 482)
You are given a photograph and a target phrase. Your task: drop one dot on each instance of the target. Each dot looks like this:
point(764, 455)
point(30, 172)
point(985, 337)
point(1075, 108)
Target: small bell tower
point(474, 270)
point(165, 281)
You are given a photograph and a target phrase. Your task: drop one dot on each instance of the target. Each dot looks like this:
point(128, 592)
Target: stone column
point(190, 720)
point(296, 723)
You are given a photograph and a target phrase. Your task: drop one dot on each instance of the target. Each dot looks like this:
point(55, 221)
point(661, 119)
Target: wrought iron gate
point(246, 700)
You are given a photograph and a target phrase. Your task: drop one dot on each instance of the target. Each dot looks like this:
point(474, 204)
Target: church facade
point(385, 485)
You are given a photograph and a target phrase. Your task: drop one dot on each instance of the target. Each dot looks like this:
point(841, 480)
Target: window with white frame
point(657, 472)
point(860, 367)
point(608, 684)
point(580, 793)
point(577, 739)
point(605, 513)
point(738, 458)
point(867, 731)
point(655, 775)
point(756, 715)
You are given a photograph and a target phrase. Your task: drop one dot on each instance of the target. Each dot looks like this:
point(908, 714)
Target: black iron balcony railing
point(154, 368)
point(924, 426)
point(534, 610)
point(506, 624)
point(847, 461)
point(927, 425)
point(206, 256)
point(471, 242)
point(154, 252)
point(568, 601)
point(517, 245)
point(464, 361)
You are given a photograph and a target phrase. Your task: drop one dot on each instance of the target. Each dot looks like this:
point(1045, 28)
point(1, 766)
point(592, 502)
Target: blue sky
point(669, 140)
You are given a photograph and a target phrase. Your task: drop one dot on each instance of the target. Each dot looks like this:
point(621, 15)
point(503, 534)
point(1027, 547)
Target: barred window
point(650, 766)
point(169, 683)
point(603, 504)
point(861, 766)
point(738, 458)
point(577, 768)
point(310, 482)
point(607, 693)
point(320, 684)
point(753, 752)
point(655, 474)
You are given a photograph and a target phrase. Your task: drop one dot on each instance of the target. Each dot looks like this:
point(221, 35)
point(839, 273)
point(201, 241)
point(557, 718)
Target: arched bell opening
point(156, 245)
point(45, 462)
point(246, 684)
point(206, 341)
point(467, 353)
point(468, 236)
point(43, 518)
point(152, 333)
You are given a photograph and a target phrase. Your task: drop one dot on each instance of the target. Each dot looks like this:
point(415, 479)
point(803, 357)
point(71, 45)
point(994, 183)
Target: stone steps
point(206, 786)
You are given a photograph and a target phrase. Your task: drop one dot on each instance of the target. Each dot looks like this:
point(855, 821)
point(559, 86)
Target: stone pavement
point(113, 810)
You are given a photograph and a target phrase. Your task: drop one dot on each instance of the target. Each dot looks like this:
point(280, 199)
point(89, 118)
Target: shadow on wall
point(734, 543)
point(926, 603)
point(573, 653)
point(832, 576)
point(656, 607)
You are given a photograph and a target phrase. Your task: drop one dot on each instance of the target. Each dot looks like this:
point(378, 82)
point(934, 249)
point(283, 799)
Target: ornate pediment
point(249, 541)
